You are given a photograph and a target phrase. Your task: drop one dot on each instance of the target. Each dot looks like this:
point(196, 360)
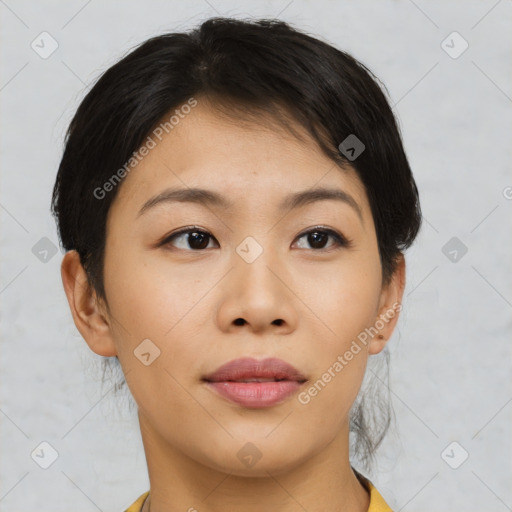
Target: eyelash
point(340, 240)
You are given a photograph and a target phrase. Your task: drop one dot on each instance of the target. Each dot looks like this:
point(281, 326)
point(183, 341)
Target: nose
point(257, 296)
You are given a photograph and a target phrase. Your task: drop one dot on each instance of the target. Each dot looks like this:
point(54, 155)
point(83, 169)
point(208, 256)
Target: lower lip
point(256, 394)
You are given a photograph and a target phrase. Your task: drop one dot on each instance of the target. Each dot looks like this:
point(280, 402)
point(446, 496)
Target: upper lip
point(249, 368)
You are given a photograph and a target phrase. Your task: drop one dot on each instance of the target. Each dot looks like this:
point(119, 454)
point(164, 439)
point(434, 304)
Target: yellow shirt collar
point(377, 503)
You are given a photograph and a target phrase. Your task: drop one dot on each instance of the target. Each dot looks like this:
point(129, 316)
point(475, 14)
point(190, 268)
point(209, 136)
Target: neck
point(325, 482)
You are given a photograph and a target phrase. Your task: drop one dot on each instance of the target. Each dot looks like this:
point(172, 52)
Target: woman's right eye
point(190, 238)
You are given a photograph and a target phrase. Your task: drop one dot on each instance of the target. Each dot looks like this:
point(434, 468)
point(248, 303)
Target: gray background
point(451, 353)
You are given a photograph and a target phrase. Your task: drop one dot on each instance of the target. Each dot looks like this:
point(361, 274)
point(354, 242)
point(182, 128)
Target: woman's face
point(253, 284)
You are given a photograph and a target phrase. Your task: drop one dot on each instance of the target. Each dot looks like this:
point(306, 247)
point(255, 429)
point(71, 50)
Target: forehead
point(244, 160)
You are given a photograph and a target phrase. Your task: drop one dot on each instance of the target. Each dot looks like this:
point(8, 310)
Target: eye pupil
point(315, 239)
point(202, 238)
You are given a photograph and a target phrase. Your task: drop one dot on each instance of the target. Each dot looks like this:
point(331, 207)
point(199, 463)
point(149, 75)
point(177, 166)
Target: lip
point(226, 380)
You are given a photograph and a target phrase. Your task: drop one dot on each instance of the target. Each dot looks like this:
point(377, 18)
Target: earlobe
point(89, 319)
point(390, 306)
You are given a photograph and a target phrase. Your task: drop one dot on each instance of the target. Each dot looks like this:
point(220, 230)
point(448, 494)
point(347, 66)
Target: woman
point(235, 202)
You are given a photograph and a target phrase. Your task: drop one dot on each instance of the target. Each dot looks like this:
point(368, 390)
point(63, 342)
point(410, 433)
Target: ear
point(88, 313)
point(390, 305)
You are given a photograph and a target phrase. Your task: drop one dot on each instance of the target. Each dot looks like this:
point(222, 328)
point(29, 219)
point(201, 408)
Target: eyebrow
point(211, 198)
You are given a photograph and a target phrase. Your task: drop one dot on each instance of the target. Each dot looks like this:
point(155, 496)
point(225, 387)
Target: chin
point(251, 462)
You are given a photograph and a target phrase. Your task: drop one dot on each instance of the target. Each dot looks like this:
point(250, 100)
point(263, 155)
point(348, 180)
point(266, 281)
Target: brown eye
point(189, 239)
point(318, 238)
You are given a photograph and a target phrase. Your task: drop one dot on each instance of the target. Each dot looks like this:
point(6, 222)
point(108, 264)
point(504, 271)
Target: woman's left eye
point(318, 237)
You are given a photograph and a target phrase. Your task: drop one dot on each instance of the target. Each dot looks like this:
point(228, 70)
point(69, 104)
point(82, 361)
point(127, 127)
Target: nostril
point(241, 321)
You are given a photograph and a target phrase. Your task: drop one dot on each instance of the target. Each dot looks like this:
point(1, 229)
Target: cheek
point(161, 304)
point(344, 296)
point(346, 306)
point(327, 399)
point(150, 301)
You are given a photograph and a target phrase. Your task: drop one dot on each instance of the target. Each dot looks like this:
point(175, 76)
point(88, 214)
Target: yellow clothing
point(377, 503)
point(136, 506)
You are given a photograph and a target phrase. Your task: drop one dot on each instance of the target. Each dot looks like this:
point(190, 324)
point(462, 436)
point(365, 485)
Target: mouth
point(247, 369)
point(250, 380)
point(255, 383)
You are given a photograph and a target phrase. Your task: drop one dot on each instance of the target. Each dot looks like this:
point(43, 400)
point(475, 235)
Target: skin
point(186, 301)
